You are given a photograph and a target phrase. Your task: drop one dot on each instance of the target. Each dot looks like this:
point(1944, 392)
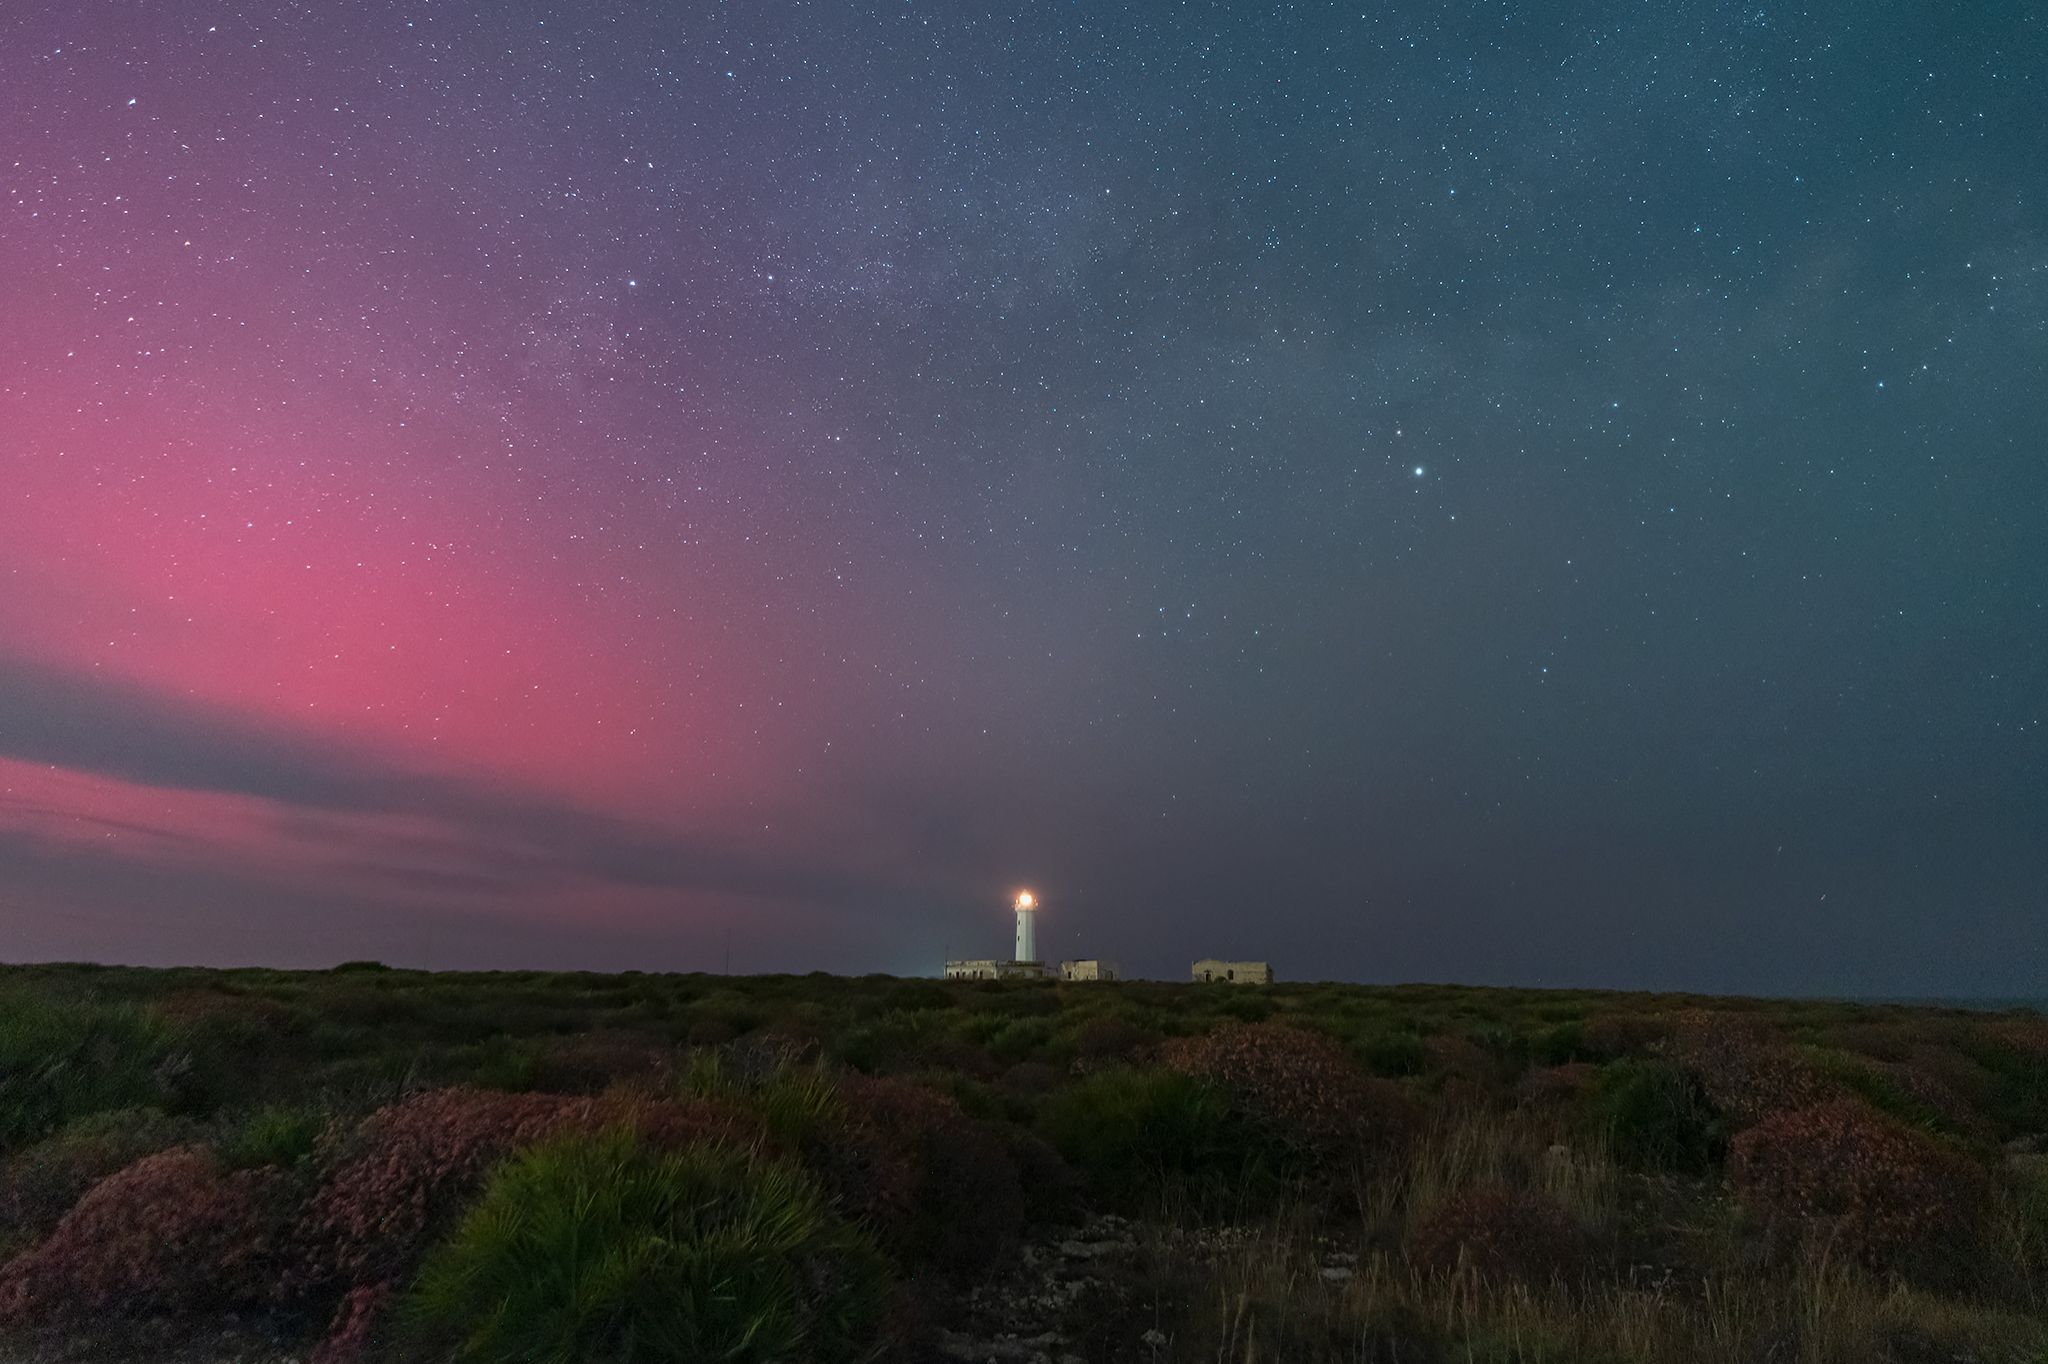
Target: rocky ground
point(1078, 1297)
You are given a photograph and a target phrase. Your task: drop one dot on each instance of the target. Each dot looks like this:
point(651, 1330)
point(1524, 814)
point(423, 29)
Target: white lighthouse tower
point(1027, 927)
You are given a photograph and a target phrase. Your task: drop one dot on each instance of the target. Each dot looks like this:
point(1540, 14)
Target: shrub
point(1560, 1045)
point(1551, 1085)
point(1885, 1193)
point(507, 1063)
point(39, 1185)
point(61, 1059)
point(1395, 1054)
point(1021, 1039)
point(1609, 1037)
point(1109, 1037)
point(395, 1182)
point(278, 1135)
point(1300, 1087)
point(940, 1188)
point(598, 1247)
point(171, 1233)
point(1502, 1234)
point(880, 1044)
point(1130, 1131)
point(1655, 1114)
point(588, 1062)
point(1745, 1072)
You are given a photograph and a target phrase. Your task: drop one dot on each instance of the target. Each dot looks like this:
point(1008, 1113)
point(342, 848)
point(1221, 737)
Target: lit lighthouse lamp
point(1027, 927)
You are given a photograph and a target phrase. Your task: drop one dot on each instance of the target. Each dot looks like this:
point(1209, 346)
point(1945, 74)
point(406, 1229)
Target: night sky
point(1536, 493)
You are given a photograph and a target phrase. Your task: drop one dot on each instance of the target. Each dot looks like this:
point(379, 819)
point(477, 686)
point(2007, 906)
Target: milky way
point(1534, 493)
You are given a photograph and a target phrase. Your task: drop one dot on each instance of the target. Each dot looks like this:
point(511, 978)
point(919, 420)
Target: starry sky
point(1509, 493)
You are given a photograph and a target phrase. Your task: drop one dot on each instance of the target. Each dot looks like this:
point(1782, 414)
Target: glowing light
point(1026, 900)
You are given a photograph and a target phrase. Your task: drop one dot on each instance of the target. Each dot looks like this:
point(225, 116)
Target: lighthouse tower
point(1027, 928)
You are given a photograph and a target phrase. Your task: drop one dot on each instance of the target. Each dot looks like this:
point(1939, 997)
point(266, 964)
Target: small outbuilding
point(1233, 972)
point(1090, 969)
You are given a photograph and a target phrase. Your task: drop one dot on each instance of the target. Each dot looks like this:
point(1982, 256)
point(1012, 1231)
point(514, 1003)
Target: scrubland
point(370, 1164)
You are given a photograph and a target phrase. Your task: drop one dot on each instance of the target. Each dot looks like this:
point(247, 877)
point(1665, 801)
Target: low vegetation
point(377, 1165)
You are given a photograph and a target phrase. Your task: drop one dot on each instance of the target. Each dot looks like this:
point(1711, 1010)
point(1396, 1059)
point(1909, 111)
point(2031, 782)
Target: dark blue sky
point(1549, 494)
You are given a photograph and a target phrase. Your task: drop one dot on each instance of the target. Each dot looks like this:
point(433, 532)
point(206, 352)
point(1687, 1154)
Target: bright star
point(1418, 471)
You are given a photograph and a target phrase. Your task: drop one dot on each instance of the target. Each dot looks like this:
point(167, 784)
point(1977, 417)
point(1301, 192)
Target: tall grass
point(63, 1058)
point(1269, 1300)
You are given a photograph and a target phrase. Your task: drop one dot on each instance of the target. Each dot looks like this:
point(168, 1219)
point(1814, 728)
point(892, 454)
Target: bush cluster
point(1746, 1074)
point(1301, 1087)
point(1865, 1184)
point(393, 1184)
point(1655, 1114)
point(39, 1185)
point(1134, 1131)
point(940, 1188)
point(173, 1233)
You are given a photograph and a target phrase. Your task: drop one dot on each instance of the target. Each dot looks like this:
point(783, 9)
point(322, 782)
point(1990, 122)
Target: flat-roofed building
point(1233, 972)
point(1090, 968)
point(990, 969)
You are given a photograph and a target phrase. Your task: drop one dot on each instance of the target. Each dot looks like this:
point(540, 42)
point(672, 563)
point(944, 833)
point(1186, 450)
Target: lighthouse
point(1027, 928)
point(1025, 965)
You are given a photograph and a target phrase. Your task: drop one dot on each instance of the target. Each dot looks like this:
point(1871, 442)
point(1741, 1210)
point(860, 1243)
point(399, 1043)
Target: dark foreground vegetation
point(372, 1164)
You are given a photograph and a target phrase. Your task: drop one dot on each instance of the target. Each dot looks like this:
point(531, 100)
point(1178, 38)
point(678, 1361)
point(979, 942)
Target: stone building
point(1090, 969)
point(991, 969)
point(1234, 972)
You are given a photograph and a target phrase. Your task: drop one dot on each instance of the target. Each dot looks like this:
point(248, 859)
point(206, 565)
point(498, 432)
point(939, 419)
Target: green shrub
point(507, 1063)
point(1655, 1115)
point(880, 1044)
point(1135, 1130)
point(1247, 1006)
point(1022, 1039)
point(62, 1059)
point(1394, 1054)
point(795, 1104)
point(595, 1248)
point(280, 1135)
point(1560, 1045)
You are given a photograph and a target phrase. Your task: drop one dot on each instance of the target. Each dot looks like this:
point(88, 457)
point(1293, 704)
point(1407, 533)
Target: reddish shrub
point(1501, 1233)
point(1612, 1036)
point(355, 1323)
point(1106, 1037)
point(941, 1189)
point(1461, 1057)
point(1032, 1079)
point(171, 1233)
point(2026, 1036)
point(1301, 1086)
point(39, 1185)
point(1889, 1194)
point(946, 1052)
point(1931, 1085)
point(395, 1181)
point(586, 1062)
point(1746, 1072)
point(1549, 1086)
